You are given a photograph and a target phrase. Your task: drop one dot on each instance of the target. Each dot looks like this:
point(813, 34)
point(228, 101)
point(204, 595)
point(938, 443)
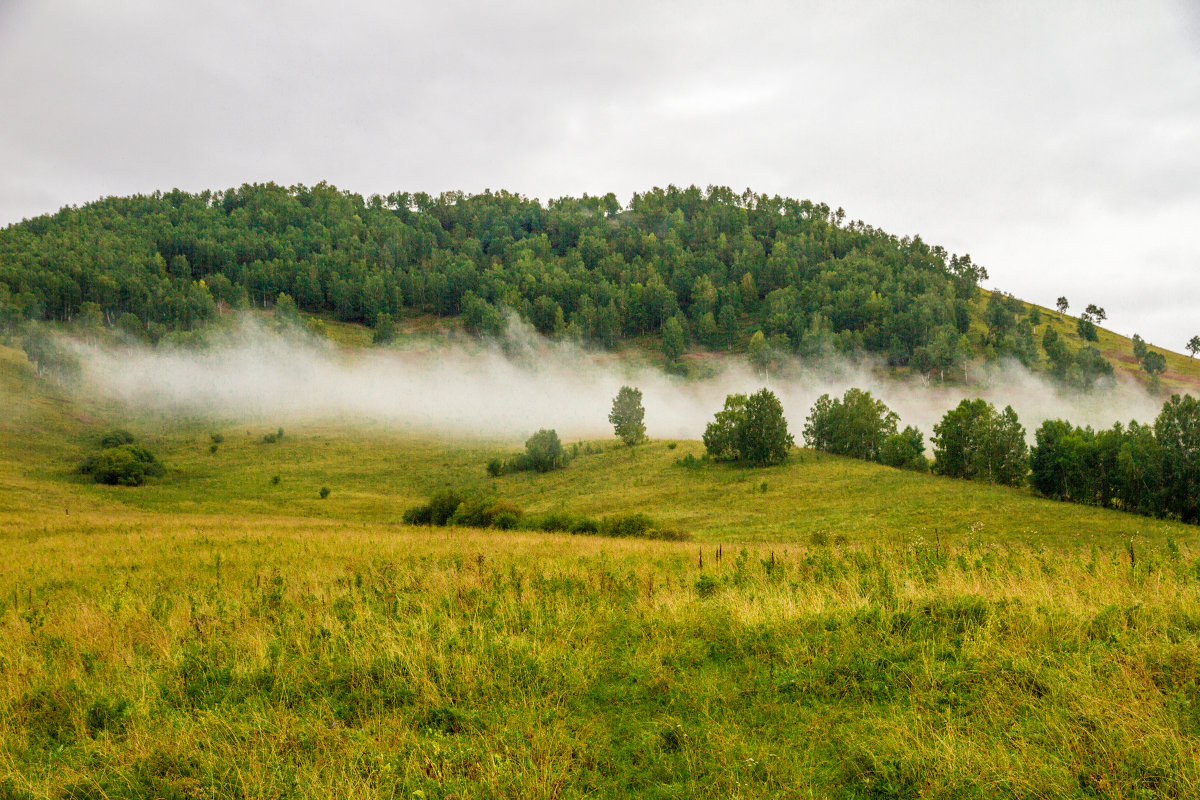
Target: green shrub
point(324, 492)
point(506, 521)
point(442, 505)
point(471, 513)
point(905, 450)
point(418, 515)
point(217, 438)
point(626, 525)
point(125, 465)
point(750, 430)
point(115, 438)
point(545, 451)
point(561, 522)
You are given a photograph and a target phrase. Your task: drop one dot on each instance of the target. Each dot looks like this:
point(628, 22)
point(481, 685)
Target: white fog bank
point(468, 389)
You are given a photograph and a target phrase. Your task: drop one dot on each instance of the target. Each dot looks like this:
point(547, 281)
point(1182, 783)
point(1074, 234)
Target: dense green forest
point(699, 268)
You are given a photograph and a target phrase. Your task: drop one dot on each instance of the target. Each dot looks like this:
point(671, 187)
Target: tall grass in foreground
point(287, 659)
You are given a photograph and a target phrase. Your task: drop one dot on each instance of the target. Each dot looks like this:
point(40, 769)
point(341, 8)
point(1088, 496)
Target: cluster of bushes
point(453, 507)
point(1081, 368)
point(973, 441)
point(1152, 362)
point(121, 462)
point(749, 430)
point(859, 426)
point(544, 452)
point(1147, 469)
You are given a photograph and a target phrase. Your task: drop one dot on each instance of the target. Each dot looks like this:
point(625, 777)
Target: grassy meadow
point(832, 629)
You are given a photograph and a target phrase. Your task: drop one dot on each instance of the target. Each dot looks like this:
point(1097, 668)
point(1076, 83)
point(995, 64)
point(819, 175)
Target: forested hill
point(700, 268)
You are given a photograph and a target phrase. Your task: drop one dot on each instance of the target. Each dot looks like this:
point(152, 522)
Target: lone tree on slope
point(1193, 346)
point(628, 416)
point(1062, 305)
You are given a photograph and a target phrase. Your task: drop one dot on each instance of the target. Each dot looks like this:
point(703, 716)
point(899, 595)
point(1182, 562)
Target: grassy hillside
point(866, 632)
point(1183, 372)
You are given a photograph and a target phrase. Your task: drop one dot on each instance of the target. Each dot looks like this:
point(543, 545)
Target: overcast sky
point(1057, 143)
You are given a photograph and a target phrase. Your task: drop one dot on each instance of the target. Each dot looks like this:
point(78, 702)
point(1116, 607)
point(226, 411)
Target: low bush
point(543, 452)
point(450, 507)
point(115, 438)
point(124, 465)
point(561, 522)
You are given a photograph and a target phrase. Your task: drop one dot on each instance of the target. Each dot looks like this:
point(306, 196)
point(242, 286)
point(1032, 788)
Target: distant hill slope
point(375, 474)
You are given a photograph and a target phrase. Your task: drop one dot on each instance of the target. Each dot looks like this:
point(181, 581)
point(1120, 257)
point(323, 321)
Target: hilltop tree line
point(710, 268)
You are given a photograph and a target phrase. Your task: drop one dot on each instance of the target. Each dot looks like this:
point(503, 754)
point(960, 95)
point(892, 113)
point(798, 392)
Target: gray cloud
point(1057, 144)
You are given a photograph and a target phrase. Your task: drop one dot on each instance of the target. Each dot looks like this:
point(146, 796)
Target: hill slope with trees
point(676, 270)
point(710, 268)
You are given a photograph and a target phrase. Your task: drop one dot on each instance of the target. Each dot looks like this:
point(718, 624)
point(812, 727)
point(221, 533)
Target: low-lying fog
point(508, 392)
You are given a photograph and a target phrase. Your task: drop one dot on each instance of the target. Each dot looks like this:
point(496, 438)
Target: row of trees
point(696, 267)
point(973, 441)
point(1152, 470)
point(1146, 469)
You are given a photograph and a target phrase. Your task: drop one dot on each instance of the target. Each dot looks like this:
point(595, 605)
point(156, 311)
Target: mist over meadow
point(508, 390)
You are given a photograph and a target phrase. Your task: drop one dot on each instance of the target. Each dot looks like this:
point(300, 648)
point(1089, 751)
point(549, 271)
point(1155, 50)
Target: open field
point(865, 632)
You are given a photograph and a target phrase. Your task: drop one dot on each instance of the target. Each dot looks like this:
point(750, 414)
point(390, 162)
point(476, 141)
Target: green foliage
point(905, 450)
point(1086, 329)
point(466, 509)
point(324, 492)
point(975, 442)
point(115, 438)
point(673, 339)
point(1177, 431)
point(545, 451)
point(442, 505)
point(47, 355)
point(750, 430)
point(124, 465)
point(1142, 469)
point(676, 262)
point(1154, 363)
point(1080, 369)
point(628, 416)
point(857, 425)
point(385, 328)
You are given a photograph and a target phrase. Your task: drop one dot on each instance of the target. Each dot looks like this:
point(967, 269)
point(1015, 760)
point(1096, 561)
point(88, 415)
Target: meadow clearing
point(832, 628)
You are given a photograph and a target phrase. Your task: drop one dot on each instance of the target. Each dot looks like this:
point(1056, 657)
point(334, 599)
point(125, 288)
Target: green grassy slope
point(375, 474)
point(217, 634)
point(1183, 372)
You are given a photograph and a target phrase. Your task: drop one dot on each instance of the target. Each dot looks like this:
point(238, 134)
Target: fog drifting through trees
point(507, 392)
